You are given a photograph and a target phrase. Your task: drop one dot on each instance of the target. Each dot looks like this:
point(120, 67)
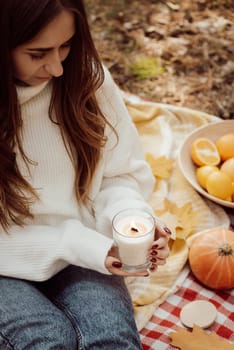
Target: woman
point(70, 160)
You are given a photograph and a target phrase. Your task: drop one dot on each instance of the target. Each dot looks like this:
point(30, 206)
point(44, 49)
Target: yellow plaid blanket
point(162, 129)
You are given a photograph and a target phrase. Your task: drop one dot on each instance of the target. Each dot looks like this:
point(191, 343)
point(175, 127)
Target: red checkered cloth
point(166, 317)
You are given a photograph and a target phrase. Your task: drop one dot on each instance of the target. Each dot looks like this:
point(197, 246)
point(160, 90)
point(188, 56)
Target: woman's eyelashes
point(40, 55)
point(35, 56)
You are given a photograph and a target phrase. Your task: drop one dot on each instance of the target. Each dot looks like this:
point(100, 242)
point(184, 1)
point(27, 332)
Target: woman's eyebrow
point(42, 49)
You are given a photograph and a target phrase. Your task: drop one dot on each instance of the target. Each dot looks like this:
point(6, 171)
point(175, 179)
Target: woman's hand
point(114, 265)
point(158, 253)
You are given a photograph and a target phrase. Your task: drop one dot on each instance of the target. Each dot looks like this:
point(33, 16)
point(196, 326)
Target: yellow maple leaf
point(172, 222)
point(161, 167)
point(186, 217)
point(198, 339)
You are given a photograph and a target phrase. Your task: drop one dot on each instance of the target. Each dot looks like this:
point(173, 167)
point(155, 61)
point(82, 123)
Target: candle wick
point(134, 229)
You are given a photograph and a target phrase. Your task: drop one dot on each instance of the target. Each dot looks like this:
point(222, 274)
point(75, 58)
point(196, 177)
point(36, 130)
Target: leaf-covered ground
point(179, 52)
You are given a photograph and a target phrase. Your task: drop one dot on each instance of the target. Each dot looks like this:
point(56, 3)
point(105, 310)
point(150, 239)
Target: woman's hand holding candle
point(160, 250)
point(158, 253)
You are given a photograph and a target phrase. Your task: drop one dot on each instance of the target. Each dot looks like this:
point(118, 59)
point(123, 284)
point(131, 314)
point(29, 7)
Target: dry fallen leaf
point(161, 167)
point(185, 217)
point(198, 339)
point(172, 222)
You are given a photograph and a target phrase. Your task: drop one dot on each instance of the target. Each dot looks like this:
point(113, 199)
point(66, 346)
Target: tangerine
point(219, 185)
point(204, 152)
point(203, 172)
point(228, 168)
point(225, 146)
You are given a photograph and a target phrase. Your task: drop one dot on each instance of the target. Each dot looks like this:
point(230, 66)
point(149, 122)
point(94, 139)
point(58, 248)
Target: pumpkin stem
point(225, 249)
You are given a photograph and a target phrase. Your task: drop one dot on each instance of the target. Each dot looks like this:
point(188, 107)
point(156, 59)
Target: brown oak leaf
point(161, 167)
point(198, 339)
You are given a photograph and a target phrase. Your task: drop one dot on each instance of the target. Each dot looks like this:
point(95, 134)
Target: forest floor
point(179, 52)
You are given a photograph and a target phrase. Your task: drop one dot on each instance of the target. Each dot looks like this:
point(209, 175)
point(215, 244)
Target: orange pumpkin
point(211, 258)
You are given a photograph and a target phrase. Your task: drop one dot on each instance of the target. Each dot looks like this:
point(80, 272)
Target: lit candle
point(133, 233)
point(134, 228)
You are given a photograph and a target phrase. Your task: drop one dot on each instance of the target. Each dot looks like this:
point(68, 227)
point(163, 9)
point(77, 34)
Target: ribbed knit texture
point(63, 231)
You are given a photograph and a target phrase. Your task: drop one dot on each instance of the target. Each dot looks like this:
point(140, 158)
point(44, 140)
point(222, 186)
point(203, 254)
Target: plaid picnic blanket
point(162, 129)
point(155, 335)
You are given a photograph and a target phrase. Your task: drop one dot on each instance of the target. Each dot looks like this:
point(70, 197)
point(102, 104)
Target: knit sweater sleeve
point(127, 181)
point(37, 252)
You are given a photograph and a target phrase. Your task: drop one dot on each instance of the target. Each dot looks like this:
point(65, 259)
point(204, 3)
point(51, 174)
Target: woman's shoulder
point(108, 86)
point(111, 102)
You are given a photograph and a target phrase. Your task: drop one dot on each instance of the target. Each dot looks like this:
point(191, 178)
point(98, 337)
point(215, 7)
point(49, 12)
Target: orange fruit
point(225, 146)
point(203, 172)
point(204, 152)
point(219, 185)
point(228, 168)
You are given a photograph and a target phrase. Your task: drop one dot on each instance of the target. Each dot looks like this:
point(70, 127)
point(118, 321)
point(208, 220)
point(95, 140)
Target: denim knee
point(101, 310)
point(57, 334)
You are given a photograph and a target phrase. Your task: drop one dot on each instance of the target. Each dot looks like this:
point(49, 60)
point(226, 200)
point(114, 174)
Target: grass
point(146, 67)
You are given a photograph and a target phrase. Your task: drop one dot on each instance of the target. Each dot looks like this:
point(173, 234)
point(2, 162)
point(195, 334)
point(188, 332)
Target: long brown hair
point(73, 102)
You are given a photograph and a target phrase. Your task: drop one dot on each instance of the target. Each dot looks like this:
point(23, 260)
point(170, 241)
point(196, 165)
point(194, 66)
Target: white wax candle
point(134, 236)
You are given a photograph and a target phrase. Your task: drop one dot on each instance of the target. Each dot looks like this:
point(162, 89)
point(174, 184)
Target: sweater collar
point(25, 93)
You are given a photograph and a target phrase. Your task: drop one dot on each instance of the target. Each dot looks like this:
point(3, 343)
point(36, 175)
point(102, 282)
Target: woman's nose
point(54, 66)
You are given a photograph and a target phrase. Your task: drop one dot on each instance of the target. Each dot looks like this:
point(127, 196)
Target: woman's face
point(40, 59)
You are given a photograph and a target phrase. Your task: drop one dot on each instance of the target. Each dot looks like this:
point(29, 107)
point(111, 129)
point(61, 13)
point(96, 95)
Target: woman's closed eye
point(40, 55)
point(37, 56)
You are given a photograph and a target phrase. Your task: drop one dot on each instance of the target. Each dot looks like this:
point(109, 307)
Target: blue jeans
point(76, 309)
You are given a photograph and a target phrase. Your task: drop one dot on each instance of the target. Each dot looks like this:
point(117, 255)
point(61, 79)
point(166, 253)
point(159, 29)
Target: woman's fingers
point(161, 230)
point(114, 266)
point(160, 243)
point(160, 256)
point(159, 252)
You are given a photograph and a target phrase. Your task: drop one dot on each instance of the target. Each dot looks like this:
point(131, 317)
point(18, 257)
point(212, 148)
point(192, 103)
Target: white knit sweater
point(63, 231)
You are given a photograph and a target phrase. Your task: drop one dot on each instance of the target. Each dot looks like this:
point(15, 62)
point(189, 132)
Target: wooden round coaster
point(199, 312)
